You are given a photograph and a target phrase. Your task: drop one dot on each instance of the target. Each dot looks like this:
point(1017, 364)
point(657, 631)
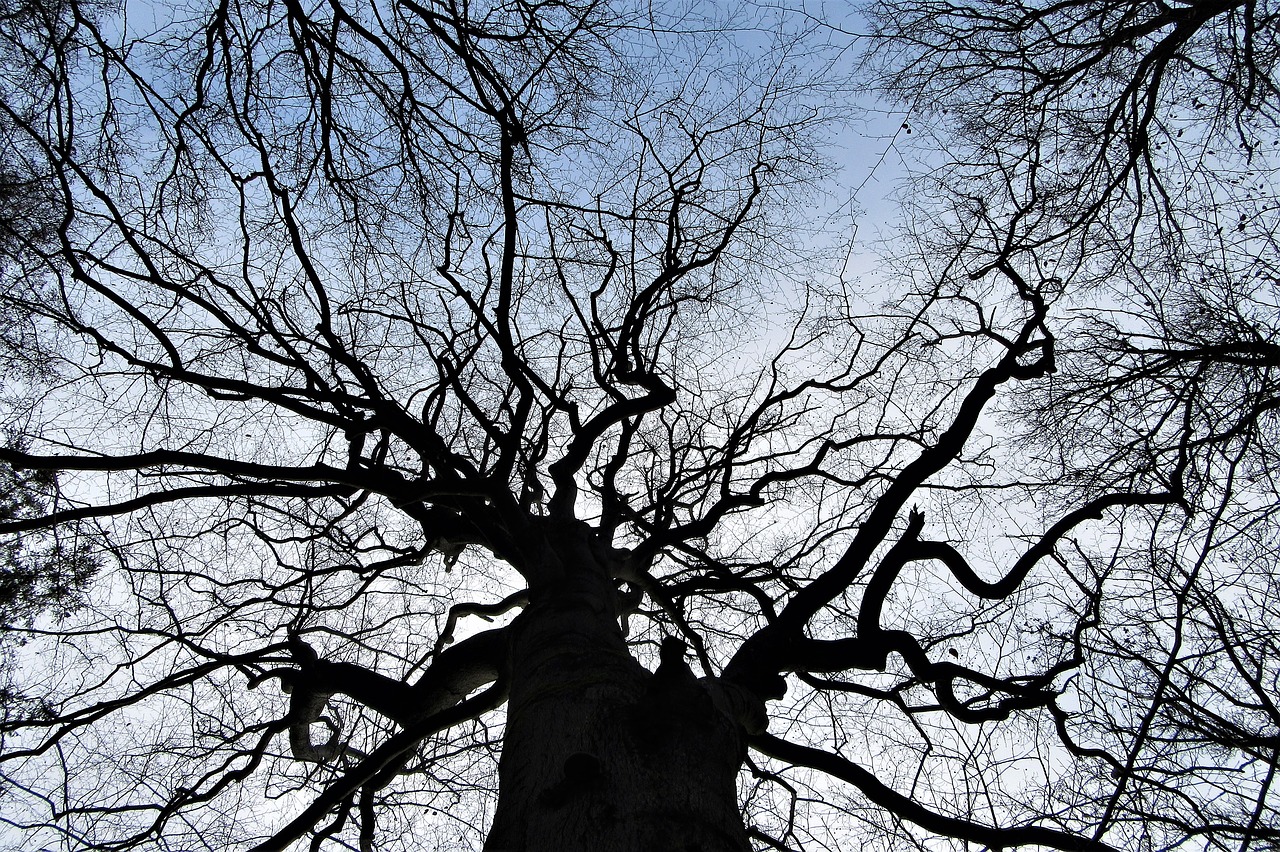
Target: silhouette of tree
point(364, 325)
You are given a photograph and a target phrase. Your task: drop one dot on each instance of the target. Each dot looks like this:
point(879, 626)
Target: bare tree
point(371, 323)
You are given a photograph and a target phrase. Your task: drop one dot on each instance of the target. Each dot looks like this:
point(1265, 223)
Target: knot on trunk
point(673, 702)
point(581, 775)
point(674, 697)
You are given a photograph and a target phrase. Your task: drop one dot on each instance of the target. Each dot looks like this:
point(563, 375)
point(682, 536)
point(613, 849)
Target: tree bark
point(601, 755)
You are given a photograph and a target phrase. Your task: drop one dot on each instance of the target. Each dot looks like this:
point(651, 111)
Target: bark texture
point(601, 755)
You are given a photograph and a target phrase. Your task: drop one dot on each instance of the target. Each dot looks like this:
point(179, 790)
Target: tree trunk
point(601, 755)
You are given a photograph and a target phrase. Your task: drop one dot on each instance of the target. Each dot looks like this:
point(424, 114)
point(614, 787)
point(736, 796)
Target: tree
point(376, 321)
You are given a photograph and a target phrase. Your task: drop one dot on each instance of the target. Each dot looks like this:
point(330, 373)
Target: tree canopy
point(445, 425)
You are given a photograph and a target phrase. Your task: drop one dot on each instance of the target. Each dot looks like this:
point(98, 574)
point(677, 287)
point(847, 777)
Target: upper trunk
point(598, 753)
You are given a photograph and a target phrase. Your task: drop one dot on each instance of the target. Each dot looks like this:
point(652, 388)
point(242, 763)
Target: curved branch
point(905, 808)
point(381, 757)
